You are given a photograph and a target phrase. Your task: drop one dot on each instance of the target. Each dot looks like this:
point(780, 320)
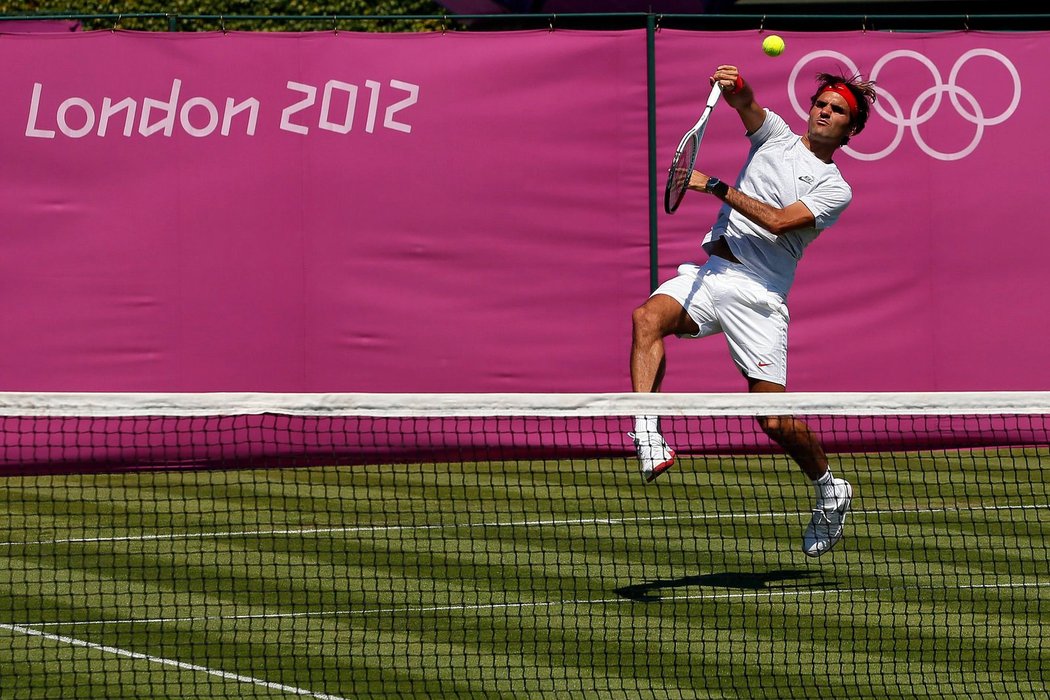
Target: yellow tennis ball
point(773, 45)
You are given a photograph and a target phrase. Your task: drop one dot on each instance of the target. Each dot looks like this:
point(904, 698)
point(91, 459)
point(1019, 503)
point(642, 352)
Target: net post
point(650, 89)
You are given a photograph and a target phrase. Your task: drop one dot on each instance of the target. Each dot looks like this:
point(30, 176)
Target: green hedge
point(298, 15)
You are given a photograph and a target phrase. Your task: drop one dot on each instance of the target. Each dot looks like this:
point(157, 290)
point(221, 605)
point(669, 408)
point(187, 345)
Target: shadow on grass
point(649, 592)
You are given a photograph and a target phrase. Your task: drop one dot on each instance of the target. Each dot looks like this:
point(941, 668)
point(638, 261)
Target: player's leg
point(671, 310)
point(792, 434)
point(756, 328)
point(660, 316)
point(833, 495)
point(755, 322)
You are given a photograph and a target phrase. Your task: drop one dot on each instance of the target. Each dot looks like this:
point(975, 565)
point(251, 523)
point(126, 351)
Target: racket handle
point(716, 92)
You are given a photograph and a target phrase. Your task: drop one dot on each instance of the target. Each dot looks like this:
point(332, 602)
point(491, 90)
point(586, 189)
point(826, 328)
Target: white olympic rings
point(963, 100)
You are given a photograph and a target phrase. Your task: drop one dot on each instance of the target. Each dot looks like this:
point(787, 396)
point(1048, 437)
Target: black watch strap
point(717, 187)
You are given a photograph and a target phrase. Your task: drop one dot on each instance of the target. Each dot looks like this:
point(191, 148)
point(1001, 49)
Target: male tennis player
point(788, 191)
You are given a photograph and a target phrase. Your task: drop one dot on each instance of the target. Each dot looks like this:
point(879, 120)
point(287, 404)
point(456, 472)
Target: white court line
point(409, 610)
point(181, 665)
point(577, 522)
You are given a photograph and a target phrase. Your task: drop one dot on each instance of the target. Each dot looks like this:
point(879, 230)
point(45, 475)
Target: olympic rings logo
point(890, 109)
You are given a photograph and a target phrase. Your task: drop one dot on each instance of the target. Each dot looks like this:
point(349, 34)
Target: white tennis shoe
point(829, 518)
point(654, 454)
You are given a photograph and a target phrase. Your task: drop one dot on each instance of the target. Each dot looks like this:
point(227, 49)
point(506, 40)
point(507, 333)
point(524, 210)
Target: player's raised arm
point(739, 95)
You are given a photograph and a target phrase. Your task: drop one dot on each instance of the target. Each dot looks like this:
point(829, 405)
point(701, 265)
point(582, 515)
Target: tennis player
point(787, 193)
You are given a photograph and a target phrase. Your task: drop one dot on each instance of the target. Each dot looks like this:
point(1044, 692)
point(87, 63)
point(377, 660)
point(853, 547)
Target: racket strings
point(678, 177)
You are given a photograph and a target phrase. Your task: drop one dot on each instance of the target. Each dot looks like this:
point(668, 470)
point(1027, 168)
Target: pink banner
point(329, 212)
point(469, 211)
point(933, 279)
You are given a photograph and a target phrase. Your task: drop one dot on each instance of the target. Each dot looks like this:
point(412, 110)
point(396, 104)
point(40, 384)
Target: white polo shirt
point(779, 171)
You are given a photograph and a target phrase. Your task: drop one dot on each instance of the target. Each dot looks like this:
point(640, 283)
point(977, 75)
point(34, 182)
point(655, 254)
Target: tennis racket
point(685, 156)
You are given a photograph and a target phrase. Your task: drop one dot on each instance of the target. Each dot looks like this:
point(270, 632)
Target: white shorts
point(724, 297)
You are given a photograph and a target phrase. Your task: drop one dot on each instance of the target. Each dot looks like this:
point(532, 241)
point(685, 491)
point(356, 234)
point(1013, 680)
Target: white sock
point(646, 424)
point(824, 480)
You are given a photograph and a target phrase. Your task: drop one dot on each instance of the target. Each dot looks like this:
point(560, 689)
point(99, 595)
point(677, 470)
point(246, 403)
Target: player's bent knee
point(661, 316)
point(645, 320)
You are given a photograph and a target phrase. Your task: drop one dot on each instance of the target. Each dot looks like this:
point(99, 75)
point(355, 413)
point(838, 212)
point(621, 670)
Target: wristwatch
point(716, 187)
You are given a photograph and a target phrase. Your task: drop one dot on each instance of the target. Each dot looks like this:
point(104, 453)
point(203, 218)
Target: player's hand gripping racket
point(685, 156)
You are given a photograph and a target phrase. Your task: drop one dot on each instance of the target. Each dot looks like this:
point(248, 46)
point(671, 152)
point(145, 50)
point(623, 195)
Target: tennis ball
point(773, 45)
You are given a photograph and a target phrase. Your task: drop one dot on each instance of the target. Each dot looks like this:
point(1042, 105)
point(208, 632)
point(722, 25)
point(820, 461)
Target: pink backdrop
point(469, 212)
point(933, 280)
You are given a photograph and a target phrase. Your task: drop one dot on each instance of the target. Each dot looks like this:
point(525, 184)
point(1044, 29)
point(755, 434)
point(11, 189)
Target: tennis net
point(478, 545)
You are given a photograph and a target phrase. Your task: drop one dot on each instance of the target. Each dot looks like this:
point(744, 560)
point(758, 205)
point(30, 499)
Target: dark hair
point(863, 91)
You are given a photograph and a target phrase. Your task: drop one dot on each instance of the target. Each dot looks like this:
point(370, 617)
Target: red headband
point(847, 94)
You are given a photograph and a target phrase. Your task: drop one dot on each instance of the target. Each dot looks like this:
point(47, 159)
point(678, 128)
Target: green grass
point(532, 579)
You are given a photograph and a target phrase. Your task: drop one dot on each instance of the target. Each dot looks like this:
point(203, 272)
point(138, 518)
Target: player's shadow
point(649, 592)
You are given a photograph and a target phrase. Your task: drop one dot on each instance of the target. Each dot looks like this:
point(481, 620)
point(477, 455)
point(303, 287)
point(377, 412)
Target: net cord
point(97, 404)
